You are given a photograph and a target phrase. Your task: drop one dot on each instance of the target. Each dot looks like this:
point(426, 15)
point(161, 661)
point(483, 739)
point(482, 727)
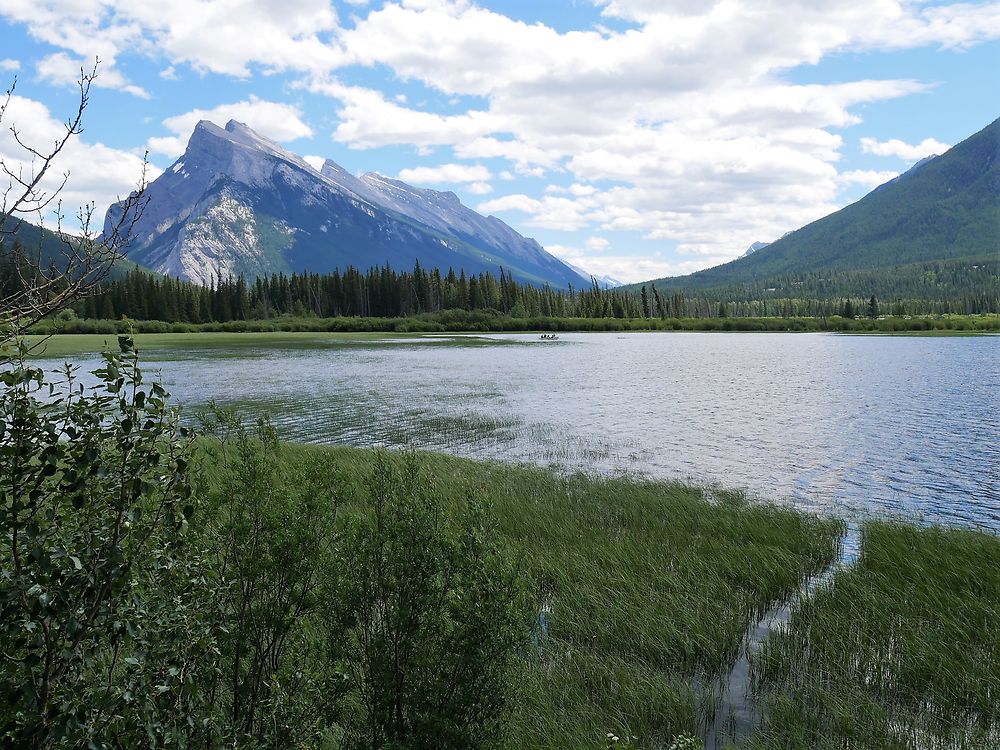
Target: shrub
point(437, 620)
point(102, 594)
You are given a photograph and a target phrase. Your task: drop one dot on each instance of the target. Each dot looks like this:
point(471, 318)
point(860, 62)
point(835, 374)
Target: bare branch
point(33, 283)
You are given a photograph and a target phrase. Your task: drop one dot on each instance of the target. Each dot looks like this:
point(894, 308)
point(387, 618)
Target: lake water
point(856, 425)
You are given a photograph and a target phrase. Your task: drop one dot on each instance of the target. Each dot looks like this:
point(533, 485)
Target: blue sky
point(634, 138)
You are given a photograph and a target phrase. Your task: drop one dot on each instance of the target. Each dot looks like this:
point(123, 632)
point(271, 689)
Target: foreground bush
point(101, 602)
point(438, 617)
point(158, 593)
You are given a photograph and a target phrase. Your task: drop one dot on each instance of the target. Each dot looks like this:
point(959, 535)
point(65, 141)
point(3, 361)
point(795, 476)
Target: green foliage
point(438, 618)
point(873, 308)
point(101, 593)
point(460, 321)
point(271, 536)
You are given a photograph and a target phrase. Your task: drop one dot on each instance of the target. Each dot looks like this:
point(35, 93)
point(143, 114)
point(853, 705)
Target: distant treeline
point(386, 293)
point(492, 321)
point(967, 286)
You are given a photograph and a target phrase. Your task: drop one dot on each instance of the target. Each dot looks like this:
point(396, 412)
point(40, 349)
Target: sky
point(634, 138)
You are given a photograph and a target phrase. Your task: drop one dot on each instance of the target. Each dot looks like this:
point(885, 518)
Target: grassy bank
point(61, 345)
point(901, 652)
point(457, 321)
point(646, 590)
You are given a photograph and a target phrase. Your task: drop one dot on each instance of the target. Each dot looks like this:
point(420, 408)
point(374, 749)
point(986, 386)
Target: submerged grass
point(900, 652)
point(644, 590)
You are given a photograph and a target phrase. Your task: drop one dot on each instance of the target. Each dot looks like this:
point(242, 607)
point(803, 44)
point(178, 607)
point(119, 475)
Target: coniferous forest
point(921, 289)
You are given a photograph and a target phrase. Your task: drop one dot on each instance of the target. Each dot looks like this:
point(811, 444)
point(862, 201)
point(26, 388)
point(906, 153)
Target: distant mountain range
point(946, 209)
point(238, 203)
point(604, 282)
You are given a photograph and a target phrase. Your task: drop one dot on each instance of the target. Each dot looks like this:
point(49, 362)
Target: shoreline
point(462, 321)
point(83, 342)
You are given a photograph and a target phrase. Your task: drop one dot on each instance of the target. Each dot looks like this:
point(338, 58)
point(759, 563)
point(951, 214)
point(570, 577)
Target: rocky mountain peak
point(238, 202)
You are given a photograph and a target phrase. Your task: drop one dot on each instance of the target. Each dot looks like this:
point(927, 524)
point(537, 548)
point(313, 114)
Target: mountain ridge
point(237, 203)
point(943, 208)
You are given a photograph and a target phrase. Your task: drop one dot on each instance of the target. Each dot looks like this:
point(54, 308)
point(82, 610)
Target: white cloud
point(631, 267)
point(868, 178)
point(679, 124)
point(97, 173)
point(369, 120)
point(316, 162)
point(446, 173)
point(522, 203)
point(684, 115)
point(596, 243)
point(60, 69)
point(905, 151)
point(221, 37)
point(8, 65)
point(549, 213)
point(480, 188)
point(280, 122)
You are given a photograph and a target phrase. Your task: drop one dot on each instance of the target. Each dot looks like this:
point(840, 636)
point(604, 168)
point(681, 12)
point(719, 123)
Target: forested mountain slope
point(944, 210)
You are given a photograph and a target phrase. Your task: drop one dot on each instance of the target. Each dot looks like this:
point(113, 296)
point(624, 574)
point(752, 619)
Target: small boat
point(549, 337)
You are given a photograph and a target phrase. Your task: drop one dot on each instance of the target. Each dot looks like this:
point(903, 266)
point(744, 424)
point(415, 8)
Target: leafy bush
point(437, 620)
point(102, 594)
point(271, 535)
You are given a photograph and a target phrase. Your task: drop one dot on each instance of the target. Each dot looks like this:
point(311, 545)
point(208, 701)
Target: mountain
point(607, 282)
point(238, 203)
point(944, 209)
point(48, 249)
point(754, 247)
point(604, 282)
point(444, 212)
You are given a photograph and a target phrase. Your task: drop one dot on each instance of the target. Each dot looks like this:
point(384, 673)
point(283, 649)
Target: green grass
point(648, 588)
point(901, 652)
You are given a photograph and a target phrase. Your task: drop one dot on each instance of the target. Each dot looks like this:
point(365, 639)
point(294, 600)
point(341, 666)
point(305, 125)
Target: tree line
point(383, 292)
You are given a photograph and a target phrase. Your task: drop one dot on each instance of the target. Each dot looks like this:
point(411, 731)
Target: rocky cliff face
point(236, 203)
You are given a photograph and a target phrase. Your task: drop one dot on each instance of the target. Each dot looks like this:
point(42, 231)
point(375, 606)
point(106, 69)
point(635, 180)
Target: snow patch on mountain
point(754, 247)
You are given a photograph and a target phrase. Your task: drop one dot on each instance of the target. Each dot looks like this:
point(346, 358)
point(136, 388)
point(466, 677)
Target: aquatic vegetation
point(644, 590)
point(901, 651)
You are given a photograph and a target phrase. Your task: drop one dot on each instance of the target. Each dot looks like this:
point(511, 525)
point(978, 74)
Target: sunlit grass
point(647, 590)
point(61, 345)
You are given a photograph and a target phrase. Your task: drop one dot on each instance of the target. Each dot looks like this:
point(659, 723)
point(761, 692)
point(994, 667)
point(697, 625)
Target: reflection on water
point(891, 425)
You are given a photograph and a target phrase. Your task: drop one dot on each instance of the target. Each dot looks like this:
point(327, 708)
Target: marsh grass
point(647, 590)
point(644, 594)
point(236, 344)
point(901, 651)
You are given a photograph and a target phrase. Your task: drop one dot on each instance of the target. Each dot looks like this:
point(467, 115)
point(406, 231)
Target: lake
point(855, 425)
